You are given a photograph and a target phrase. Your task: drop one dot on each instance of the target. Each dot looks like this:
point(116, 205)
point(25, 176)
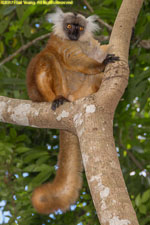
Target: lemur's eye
point(81, 28)
point(69, 26)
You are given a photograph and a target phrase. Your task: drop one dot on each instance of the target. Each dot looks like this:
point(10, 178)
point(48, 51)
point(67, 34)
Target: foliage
point(28, 155)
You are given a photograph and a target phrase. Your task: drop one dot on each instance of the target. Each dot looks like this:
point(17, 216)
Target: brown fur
point(65, 188)
point(69, 69)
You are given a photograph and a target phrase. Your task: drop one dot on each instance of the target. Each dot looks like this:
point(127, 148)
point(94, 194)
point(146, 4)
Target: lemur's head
point(73, 26)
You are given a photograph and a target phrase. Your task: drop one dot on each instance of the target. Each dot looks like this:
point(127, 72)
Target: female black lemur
point(70, 67)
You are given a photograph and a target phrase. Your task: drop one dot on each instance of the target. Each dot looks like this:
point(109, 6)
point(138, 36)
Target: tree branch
point(23, 48)
point(28, 113)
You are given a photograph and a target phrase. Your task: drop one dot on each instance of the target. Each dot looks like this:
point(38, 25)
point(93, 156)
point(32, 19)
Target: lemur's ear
point(91, 24)
point(55, 17)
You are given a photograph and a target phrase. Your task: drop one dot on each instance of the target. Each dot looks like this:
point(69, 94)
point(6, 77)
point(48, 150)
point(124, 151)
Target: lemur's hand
point(110, 58)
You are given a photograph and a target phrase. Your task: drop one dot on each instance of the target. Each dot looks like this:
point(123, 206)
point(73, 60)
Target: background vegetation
point(28, 156)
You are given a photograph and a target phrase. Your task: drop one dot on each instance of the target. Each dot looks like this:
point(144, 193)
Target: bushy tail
point(64, 190)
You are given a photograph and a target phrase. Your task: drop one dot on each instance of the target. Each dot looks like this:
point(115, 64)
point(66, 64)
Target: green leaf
point(145, 196)
point(21, 138)
point(7, 147)
point(20, 10)
point(144, 99)
point(9, 9)
point(143, 209)
point(13, 133)
point(3, 25)
point(37, 168)
point(22, 149)
point(27, 30)
point(26, 14)
point(148, 16)
point(29, 168)
point(1, 48)
point(138, 200)
point(43, 159)
point(41, 177)
point(6, 10)
point(34, 155)
point(44, 167)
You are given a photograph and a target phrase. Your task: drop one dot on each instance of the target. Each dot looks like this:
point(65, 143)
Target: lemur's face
point(74, 26)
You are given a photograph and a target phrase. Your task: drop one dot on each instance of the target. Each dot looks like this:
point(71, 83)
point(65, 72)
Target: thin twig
point(89, 7)
point(145, 44)
point(109, 27)
point(136, 162)
point(23, 48)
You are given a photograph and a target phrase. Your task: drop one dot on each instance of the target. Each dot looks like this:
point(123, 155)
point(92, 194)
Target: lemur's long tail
point(64, 190)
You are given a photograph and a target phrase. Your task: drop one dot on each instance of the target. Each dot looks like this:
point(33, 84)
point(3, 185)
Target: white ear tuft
point(92, 26)
point(55, 17)
point(59, 10)
point(92, 18)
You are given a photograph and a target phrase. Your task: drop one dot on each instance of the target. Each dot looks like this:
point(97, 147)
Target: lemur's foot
point(57, 102)
point(110, 58)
